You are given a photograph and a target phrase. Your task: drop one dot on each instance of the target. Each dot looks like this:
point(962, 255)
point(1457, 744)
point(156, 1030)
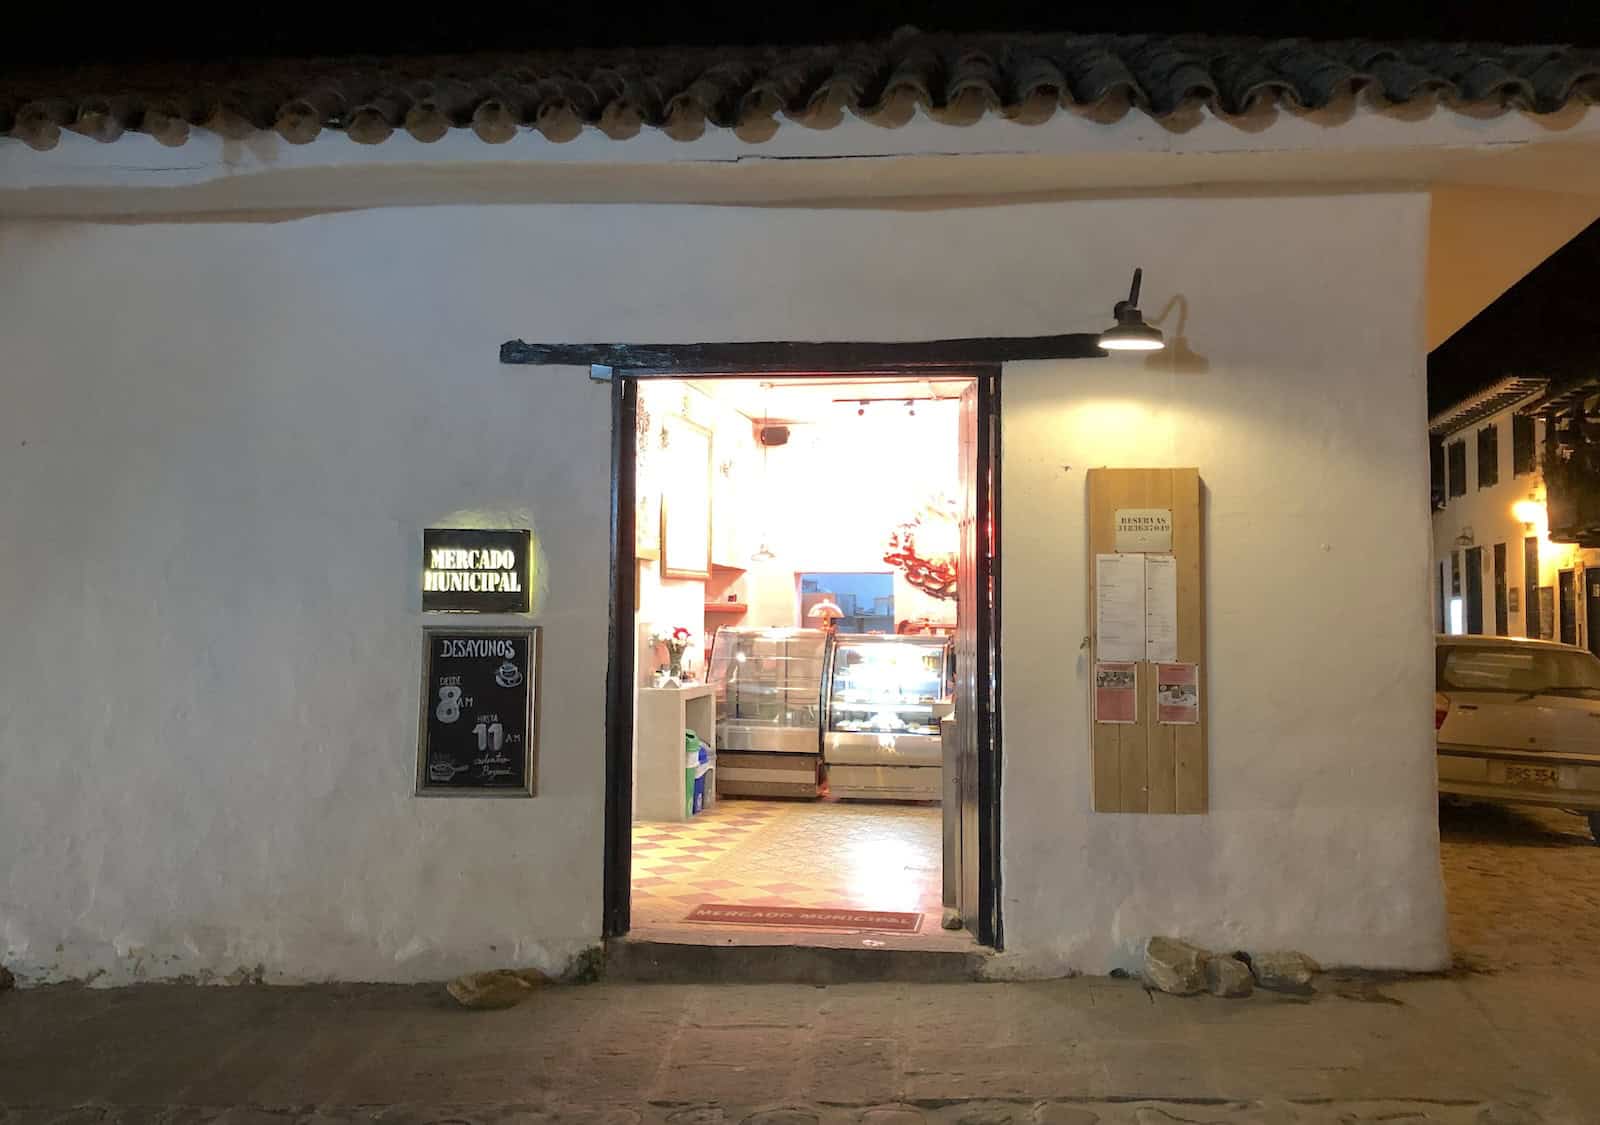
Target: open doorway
point(804, 718)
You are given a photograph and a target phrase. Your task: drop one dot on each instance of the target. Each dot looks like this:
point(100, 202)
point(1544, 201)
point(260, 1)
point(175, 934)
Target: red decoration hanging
point(934, 575)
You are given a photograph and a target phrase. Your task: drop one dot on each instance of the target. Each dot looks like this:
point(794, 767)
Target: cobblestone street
point(1524, 889)
point(1510, 1048)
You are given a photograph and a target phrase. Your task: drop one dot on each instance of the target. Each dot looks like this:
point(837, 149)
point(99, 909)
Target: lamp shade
point(1130, 333)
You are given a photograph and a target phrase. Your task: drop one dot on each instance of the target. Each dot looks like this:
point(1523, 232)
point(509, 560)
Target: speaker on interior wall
point(772, 435)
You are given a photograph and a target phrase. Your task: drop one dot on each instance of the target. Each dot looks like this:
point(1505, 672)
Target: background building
point(1496, 569)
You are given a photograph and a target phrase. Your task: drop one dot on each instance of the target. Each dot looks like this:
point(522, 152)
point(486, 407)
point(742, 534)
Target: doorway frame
point(1567, 601)
point(1472, 568)
point(620, 673)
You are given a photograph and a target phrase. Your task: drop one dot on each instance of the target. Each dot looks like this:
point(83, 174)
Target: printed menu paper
point(1119, 607)
point(1116, 691)
point(1160, 607)
point(1178, 694)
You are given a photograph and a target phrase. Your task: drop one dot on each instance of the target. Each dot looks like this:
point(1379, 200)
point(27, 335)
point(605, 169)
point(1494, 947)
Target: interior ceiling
point(812, 398)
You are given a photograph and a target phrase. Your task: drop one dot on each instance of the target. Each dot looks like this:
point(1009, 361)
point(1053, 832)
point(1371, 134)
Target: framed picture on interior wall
point(647, 525)
point(686, 500)
point(647, 486)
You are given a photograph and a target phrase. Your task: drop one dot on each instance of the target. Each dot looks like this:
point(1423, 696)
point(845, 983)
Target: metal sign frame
point(517, 539)
point(533, 635)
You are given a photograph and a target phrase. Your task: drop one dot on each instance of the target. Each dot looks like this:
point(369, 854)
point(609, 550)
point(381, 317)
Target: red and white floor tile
point(875, 856)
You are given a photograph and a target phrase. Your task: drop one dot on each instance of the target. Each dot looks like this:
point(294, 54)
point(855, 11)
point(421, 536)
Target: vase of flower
point(676, 642)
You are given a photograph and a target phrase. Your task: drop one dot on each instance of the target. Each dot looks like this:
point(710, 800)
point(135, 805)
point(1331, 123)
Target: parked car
point(1518, 723)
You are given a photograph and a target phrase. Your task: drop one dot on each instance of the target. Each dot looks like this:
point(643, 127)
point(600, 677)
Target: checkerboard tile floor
point(860, 855)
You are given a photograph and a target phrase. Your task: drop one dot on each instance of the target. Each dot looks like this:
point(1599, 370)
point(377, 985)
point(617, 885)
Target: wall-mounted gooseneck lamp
point(1130, 333)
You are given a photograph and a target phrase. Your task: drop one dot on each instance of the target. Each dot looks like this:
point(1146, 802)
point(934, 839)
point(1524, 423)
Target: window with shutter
point(1523, 445)
point(1436, 472)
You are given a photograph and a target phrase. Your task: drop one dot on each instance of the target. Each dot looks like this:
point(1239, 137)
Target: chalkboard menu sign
point(475, 570)
point(479, 712)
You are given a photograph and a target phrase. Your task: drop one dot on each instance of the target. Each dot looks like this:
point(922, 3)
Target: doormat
point(806, 917)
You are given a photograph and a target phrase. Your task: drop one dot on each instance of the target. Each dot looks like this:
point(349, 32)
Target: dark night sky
point(1547, 323)
point(421, 29)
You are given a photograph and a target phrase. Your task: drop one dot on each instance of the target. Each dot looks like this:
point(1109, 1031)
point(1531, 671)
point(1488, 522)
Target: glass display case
point(886, 695)
point(768, 685)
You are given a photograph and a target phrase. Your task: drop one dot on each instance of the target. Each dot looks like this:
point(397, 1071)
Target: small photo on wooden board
point(1177, 694)
point(1116, 691)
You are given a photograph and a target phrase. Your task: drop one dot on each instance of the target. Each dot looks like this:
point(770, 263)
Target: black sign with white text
point(474, 570)
point(479, 708)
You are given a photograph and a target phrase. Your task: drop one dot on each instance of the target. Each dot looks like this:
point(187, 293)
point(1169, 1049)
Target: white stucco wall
point(896, 463)
point(220, 446)
point(220, 441)
point(1303, 405)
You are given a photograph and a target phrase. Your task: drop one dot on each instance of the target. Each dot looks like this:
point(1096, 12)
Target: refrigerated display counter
point(768, 685)
point(886, 695)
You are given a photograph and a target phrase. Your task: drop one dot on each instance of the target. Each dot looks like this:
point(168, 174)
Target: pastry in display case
point(886, 695)
point(768, 685)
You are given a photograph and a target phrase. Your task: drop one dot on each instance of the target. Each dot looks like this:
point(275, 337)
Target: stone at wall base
point(1229, 976)
point(1284, 970)
point(951, 919)
point(490, 991)
point(1174, 966)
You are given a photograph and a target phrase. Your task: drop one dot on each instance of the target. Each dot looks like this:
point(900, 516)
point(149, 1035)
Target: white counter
point(663, 715)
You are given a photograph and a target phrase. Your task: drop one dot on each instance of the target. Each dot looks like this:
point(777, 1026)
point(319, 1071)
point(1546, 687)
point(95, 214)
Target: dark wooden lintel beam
point(793, 356)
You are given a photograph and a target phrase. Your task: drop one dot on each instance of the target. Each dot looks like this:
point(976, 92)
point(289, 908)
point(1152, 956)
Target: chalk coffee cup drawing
point(508, 675)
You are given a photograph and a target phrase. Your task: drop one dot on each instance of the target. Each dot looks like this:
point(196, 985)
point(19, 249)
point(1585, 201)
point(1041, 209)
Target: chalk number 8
point(449, 709)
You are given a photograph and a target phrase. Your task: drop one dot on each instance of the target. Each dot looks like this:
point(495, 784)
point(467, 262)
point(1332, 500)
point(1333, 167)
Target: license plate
point(1531, 775)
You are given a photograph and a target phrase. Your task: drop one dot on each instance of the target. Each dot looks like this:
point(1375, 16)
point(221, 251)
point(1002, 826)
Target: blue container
point(702, 768)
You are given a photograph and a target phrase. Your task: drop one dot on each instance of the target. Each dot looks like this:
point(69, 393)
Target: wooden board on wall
point(1147, 766)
